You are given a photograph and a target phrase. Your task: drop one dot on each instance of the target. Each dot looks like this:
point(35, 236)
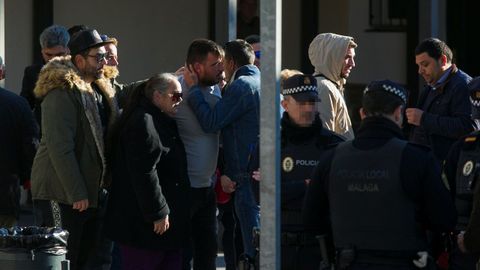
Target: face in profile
point(168, 101)
point(93, 64)
point(429, 68)
point(210, 71)
point(348, 63)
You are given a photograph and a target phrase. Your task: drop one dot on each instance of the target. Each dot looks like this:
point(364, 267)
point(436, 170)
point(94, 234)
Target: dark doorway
point(462, 37)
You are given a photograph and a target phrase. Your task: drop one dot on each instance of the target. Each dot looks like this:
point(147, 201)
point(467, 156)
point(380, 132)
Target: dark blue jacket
point(19, 142)
point(447, 114)
point(237, 115)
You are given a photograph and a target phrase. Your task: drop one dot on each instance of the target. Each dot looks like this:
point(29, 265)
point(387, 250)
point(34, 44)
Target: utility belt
point(298, 239)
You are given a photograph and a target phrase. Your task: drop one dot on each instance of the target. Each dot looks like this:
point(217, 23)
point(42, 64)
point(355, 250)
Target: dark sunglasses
point(257, 54)
point(99, 57)
point(176, 96)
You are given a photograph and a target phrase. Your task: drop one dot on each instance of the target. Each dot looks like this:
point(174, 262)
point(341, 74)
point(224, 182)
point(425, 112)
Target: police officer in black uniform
point(462, 169)
point(303, 140)
point(379, 192)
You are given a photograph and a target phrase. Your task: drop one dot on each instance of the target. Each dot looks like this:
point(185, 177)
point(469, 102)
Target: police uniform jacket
point(419, 175)
point(301, 149)
point(457, 168)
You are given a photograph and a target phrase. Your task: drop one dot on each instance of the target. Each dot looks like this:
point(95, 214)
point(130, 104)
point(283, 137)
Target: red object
point(222, 196)
point(442, 260)
point(27, 184)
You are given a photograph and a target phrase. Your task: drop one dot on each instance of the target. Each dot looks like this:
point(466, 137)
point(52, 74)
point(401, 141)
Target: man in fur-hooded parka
point(78, 109)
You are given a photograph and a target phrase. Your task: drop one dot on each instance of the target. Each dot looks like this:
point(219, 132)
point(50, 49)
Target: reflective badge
point(467, 168)
point(287, 164)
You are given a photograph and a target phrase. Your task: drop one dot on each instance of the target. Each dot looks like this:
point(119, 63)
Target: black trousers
point(203, 230)
point(82, 228)
point(300, 252)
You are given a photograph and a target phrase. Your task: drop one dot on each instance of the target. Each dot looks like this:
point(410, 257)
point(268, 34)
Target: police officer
point(381, 191)
point(462, 169)
point(303, 139)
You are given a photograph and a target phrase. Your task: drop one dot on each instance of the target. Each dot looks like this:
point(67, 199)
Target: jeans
point(204, 230)
point(248, 212)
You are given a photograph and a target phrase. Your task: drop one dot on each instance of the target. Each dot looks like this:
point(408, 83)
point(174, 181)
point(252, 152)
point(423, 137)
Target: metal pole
point(270, 32)
point(232, 20)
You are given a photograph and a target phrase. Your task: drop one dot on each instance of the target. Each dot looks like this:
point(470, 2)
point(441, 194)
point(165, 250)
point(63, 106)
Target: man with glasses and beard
point(205, 56)
point(70, 166)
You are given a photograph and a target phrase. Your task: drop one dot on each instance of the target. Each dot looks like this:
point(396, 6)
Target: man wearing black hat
point(462, 171)
point(303, 139)
point(70, 166)
point(379, 192)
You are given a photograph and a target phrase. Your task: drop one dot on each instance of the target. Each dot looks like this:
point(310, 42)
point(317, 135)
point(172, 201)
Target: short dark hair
point(240, 52)
point(200, 48)
point(252, 39)
point(435, 48)
point(380, 103)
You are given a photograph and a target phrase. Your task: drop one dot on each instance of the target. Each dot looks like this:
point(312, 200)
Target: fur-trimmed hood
point(61, 73)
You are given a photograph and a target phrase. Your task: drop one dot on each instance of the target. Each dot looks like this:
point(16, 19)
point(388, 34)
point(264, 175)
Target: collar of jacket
point(441, 86)
point(297, 134)
point(247, 70)
point(155, 111)
point(378, 127)
point(323, 76)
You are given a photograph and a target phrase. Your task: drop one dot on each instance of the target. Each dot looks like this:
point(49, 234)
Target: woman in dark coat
point(148, 209)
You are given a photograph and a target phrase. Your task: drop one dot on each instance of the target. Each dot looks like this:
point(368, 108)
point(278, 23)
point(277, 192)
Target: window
point(388, 15)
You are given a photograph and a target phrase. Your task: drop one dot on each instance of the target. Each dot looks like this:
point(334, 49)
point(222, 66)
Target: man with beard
point(303, 140)
point(237, 115)
point(332, 57)
point(70, 167)
point(205, 56)
point(442, 114)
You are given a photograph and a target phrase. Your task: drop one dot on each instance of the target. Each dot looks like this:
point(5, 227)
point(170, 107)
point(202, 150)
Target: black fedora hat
point(84, 40)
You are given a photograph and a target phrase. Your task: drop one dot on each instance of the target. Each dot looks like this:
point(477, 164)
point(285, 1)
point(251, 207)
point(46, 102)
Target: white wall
point(153, 35)
point(380, 55)
point(18, 41)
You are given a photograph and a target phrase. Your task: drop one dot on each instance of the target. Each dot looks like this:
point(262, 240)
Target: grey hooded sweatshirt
point(327, 54)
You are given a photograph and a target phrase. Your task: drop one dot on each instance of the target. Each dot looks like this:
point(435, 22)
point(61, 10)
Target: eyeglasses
point(99, 57)
point(176, 97)
point(257, 54)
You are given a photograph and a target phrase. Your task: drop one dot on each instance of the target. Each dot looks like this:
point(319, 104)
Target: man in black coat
point(379, 192)
point(54, 42)
point(19, 141)
point(442, 113)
